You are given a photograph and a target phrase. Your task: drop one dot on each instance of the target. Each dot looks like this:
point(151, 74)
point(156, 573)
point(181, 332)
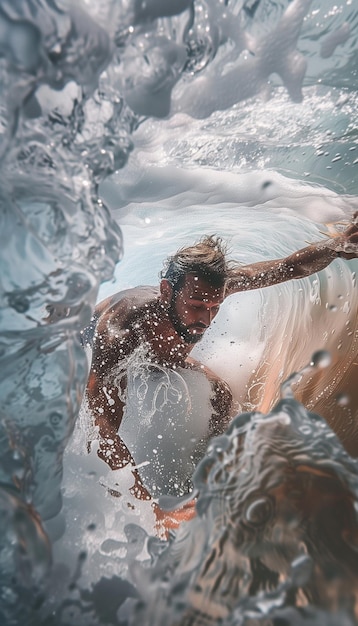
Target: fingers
point(348, 256)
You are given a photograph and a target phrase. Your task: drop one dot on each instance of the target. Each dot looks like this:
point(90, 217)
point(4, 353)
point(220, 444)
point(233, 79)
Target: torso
point(138, 318)
point(141, 382)
point(166, 408)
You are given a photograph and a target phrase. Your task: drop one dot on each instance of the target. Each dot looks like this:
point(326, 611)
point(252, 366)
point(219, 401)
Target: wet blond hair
point(206, 259)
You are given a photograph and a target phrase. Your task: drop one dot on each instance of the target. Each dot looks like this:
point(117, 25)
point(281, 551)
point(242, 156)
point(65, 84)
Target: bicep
point(104, 391)
point(244, 279)
point(106, 403)
point(111, 342)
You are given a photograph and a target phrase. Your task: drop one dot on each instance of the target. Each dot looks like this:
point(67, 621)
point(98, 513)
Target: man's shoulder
point(126, 301)
point(119, 312)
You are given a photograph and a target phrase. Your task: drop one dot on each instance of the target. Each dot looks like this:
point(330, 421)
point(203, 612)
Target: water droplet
point(321, 359)
point(55, 418)
point(259, 512)
point(342, 399)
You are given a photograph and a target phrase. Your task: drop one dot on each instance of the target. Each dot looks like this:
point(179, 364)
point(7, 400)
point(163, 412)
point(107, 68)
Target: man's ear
point(166, 291)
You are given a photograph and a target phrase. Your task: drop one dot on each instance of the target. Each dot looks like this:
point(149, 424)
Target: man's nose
point(206, 316)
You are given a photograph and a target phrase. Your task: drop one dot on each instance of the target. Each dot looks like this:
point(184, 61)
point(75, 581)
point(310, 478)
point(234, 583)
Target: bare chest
point(164, 344)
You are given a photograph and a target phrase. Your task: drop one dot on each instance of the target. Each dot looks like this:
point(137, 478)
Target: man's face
point(193, 307)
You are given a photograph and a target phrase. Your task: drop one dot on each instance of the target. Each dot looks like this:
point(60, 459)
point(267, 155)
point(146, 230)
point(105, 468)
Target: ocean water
point(129, 129)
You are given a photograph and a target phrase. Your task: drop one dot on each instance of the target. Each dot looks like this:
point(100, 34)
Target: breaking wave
point(130, 128)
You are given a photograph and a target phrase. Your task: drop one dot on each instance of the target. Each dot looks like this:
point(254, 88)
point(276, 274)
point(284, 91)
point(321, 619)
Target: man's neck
point(165, 342)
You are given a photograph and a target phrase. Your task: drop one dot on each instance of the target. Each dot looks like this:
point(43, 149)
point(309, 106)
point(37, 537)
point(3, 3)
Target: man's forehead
point(198, 288)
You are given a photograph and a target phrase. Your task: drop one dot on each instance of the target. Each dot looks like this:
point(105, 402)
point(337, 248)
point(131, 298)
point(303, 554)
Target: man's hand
point(346, 244)
point(171, 520)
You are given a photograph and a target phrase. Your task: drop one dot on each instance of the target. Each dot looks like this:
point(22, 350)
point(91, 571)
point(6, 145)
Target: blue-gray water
point(127, 130)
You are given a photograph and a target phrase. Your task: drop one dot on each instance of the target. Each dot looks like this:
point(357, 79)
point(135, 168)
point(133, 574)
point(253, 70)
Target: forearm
point(300, 264)
point(112, 449)
point(310, 260)
point(108, 413)
point(115, 453)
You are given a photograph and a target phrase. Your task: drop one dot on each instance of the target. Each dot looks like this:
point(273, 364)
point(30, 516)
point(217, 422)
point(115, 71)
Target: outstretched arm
point(302, 263)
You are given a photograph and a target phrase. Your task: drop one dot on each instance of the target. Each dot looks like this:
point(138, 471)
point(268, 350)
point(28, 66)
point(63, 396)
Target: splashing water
point(276, 529)
point(172, 411)
point(141, 126)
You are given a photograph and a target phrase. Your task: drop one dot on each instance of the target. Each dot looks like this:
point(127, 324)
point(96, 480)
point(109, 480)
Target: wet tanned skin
point(143, 316)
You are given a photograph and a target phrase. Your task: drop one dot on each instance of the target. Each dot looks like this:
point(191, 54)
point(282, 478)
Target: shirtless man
point(171, 318)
